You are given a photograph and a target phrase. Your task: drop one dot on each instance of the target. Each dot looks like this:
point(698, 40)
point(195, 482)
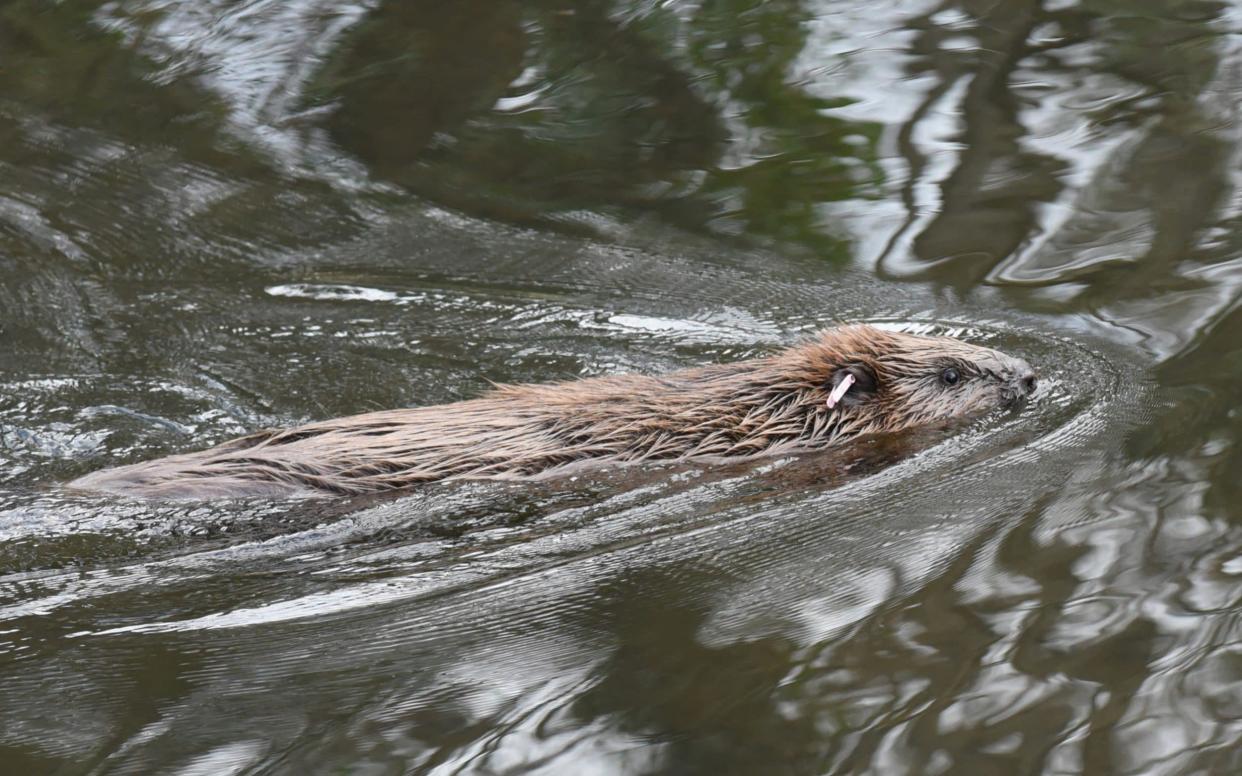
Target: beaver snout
point(1021, 382)
point(1025, 378)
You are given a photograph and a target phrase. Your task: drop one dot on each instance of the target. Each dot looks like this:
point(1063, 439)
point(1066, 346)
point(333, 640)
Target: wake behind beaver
point(842, 384)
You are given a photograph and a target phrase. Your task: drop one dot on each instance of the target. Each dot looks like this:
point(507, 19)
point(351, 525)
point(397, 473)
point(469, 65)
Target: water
point(220, 216)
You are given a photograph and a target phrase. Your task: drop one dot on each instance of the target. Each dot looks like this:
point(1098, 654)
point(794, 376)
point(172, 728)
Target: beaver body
point(764, 406)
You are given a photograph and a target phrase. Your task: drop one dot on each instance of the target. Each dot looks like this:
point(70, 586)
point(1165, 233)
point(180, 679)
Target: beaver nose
point(1024, 377)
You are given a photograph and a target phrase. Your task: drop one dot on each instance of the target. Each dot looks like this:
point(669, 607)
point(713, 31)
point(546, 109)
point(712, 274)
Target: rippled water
point(220, 216)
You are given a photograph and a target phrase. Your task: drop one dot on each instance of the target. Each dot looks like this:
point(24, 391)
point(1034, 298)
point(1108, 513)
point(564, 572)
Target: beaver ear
point(864, 387)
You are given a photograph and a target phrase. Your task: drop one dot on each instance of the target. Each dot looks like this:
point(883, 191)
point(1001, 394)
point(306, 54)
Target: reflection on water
point(220, 216)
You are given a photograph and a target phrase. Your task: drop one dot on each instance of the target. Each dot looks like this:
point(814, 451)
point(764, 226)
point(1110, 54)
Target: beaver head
point(885, 380)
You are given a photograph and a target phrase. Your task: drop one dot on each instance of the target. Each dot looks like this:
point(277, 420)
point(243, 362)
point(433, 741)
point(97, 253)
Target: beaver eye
point(950, 376)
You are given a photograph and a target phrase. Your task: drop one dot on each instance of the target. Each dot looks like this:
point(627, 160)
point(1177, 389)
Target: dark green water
point(218, 216)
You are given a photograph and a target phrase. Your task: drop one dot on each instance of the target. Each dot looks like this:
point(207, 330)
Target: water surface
point(221, 216)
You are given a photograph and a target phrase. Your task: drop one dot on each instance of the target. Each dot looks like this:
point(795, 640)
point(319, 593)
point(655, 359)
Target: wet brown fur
point(759, 407)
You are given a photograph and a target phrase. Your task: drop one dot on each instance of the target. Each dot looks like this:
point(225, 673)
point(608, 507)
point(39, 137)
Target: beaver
point(839, 385)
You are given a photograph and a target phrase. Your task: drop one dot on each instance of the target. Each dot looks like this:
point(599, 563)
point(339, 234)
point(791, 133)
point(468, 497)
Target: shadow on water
point(219, 216)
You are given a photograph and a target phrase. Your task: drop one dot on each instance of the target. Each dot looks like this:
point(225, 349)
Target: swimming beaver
point(840, 385)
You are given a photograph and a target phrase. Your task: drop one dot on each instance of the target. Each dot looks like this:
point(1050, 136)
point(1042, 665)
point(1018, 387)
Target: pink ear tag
point(839, 391)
